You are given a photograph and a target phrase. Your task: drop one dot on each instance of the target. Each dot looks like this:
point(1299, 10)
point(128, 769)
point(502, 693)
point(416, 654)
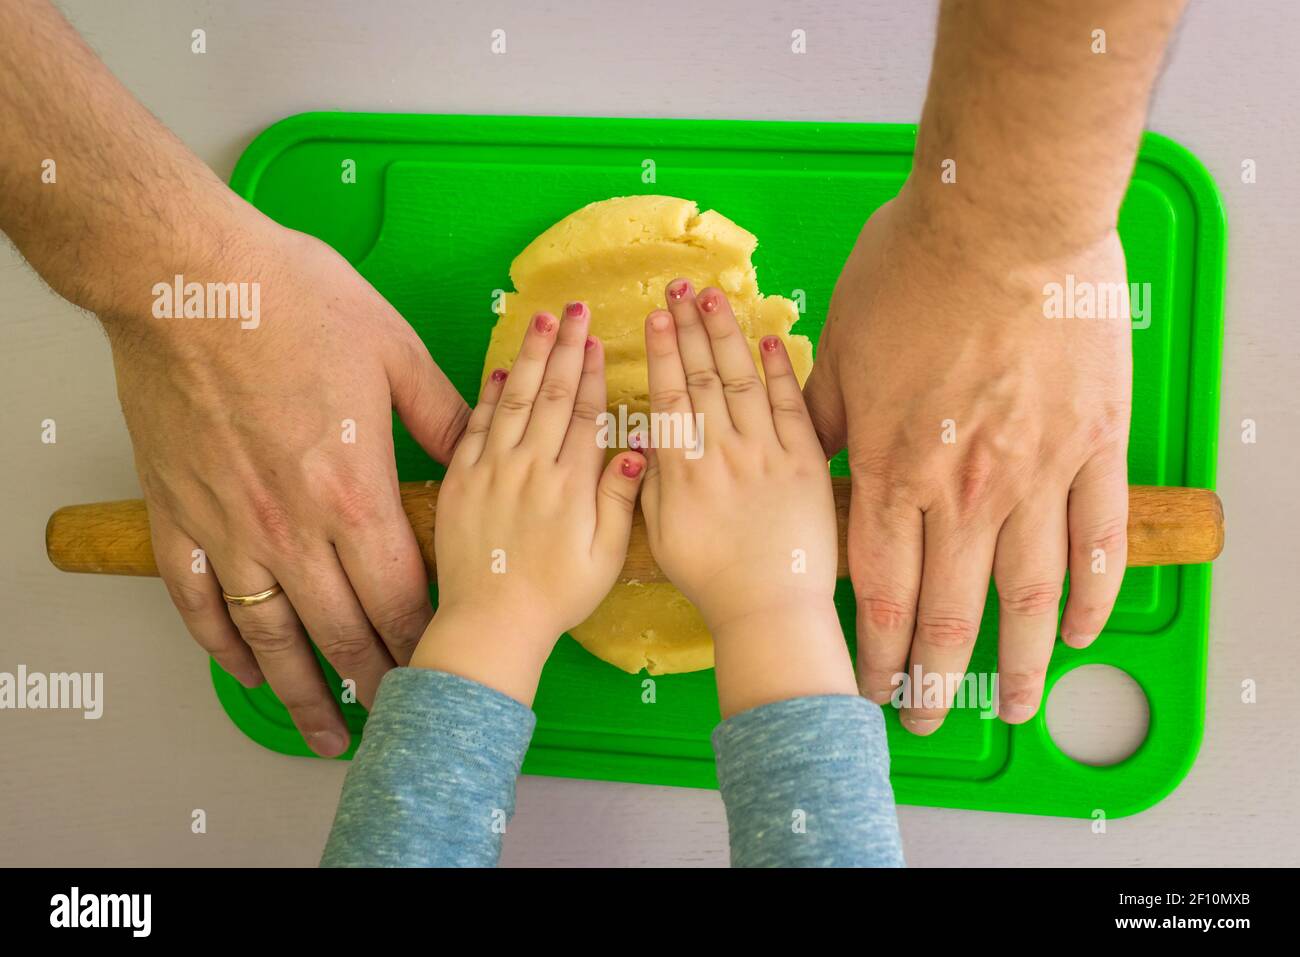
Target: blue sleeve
point(806, 784)
point(433, 783)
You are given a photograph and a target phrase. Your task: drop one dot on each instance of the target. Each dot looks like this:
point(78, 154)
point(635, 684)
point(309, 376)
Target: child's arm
point(745, 526)
point(531, 534)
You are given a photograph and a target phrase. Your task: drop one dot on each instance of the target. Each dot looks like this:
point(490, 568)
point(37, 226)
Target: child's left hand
point(531, 532)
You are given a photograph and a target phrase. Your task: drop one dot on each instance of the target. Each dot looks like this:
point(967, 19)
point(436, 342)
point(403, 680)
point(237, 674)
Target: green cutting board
point(442, 204)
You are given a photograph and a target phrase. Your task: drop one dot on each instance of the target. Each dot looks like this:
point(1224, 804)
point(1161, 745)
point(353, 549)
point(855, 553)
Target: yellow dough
point(617, 256)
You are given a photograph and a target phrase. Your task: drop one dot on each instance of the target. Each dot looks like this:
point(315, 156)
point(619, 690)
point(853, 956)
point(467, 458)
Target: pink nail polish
point(591, 343)
point(635, 441)
point(679, 289)
point(574, 310)
point(709, 303)
point(498, 375)
point(631, 467)
point(770, 343)
point(543, 323)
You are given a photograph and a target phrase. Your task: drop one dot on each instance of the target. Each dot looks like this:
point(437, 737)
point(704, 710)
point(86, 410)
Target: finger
point(954, 585)
point(667, 378)
point(555, 397)
point(580, 445)
point(821, 391)
point(275, 635)
point(428, 404)
point(884, 549)
point(382, 563)
point(615, 501)
point(329, 610)
point(789, 412)
point(742, 388)
point(480, 420)
point(1098, 522)
point(197, 596)
point(702, 379)
point(515, 407)
point(1029, 569)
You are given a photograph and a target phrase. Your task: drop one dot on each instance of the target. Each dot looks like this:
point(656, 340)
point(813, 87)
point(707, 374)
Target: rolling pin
point(1166, 526)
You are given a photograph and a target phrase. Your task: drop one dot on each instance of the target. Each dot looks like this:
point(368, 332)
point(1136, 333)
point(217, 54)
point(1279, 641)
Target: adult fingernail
point(921, 726)
point(1015, 713)
point(328, 744)
point(632, 467)
point(1076, 640)
point(250, 677)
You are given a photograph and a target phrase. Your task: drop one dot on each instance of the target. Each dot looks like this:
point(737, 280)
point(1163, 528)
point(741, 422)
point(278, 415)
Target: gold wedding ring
point(244, 601)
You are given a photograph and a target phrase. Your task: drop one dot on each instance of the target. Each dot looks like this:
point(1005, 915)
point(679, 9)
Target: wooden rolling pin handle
point(1166, 526)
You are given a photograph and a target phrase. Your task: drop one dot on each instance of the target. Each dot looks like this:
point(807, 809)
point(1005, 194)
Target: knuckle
point(451, 431)
point(271, 517)
point(268, 637)
point(584, 411)
point(355, 505)
point(189, 597)
point(347, 645)
point(956, 632)
point(702, 380)
point(744, 385)
point(669, 398)
point(974, 481)
point(615, 493)
point(886, 614)
point(1110, 535)
point(401, 625)
point(515, 404)
point(1032, 598)
point(553, 390)
point(789, 407)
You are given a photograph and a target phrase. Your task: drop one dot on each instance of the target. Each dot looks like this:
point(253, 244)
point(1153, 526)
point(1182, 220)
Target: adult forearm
point(1039, 114)
point(98, 195)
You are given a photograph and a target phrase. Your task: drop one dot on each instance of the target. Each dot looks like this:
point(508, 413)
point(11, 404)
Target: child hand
point(531, 530)
point(744, 524)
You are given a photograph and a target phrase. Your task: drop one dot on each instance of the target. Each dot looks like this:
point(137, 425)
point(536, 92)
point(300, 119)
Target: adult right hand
point(270, 448)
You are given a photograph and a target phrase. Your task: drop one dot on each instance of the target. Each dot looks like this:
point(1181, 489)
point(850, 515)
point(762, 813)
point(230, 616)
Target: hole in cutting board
point(1097, 715)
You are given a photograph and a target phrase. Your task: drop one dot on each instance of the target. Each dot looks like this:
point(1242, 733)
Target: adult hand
point(268, 444)
point(982, 436)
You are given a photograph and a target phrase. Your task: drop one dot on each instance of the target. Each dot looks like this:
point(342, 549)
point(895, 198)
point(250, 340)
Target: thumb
point(428, 404)
point(826, 404)
point(615, 501)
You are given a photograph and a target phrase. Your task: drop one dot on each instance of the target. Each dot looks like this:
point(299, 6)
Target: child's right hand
point(744, 524)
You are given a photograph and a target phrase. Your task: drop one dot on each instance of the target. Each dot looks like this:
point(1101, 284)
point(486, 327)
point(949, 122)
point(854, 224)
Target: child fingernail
point(709, 302)
point(543, 323)
point(635, 441)
point(659, 321)
point(498, 375)
point(574, 310)
point(632, 467)
point(770, 343)
point(679, 289)
point(591, 343)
